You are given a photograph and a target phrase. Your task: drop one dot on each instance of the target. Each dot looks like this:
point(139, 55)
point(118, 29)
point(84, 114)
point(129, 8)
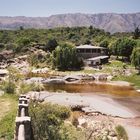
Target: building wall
point(89, 53)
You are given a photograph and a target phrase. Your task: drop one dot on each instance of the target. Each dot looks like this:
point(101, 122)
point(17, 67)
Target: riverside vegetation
point(125, 46)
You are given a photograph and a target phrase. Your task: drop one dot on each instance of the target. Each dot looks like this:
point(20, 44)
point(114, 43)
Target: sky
point(45, 8)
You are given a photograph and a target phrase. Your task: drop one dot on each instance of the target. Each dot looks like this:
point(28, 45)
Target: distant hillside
point(109, 21)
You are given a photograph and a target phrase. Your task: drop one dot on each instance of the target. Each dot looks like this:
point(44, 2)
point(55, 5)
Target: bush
point(121, 133)
point(9, 87)
point(48, 120)
point(25, 88)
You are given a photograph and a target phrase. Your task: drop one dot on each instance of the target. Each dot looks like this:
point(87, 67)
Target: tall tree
point(51, 45)
point(66, 58)
point(136, 33)
point(135, 58)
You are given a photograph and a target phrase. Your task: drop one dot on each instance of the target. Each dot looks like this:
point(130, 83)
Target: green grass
point(134, 79)
point(7, 120)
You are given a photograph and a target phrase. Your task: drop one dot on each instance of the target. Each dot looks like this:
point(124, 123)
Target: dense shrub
point(48, 121)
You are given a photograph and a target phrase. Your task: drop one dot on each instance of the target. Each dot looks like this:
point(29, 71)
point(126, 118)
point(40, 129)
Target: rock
point(34, 80)
point(81, 121)
point(109, 78)
point(87, 77)
point(102, 77)
point(89, 110)
point(54, 81)
point(40, 71)
point(3, 74)
point(72, 78)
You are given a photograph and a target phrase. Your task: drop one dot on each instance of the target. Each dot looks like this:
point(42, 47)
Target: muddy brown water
point(126, 96)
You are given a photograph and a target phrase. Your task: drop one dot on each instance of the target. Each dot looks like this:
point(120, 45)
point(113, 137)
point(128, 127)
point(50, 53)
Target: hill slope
point(109, 21)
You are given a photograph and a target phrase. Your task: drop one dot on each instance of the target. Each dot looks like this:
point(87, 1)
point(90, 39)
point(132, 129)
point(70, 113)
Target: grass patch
point(7, 120)
point(134, 79)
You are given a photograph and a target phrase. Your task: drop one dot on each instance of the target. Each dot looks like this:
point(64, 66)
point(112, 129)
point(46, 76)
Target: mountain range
point(111, 22)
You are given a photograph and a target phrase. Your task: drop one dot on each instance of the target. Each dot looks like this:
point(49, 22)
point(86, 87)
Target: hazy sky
point(51, 7)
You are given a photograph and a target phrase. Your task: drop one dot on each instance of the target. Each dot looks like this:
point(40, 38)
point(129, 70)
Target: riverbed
point(118, 103)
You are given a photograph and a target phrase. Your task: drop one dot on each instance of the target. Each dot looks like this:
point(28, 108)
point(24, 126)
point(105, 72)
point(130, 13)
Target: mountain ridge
point(111, 22)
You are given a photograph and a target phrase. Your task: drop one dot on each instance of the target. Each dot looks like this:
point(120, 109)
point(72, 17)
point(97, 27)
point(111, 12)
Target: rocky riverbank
point(101, 114)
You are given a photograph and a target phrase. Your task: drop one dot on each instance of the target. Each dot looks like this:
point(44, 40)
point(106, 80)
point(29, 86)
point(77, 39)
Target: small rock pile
point(96, 129)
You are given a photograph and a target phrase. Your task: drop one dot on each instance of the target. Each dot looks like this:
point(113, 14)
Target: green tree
point(104, 44)
point(136, 33)
point(135, 58)
point(123, 47)
point(65, 58)
point(51, 45)
point(22, 44)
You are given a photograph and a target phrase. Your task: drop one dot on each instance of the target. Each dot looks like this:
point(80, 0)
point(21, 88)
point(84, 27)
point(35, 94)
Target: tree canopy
point(123, 47)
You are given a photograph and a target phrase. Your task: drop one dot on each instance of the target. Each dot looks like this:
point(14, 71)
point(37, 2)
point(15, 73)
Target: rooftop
point(89, 47)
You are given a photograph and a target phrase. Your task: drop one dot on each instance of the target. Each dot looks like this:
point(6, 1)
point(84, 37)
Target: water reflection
point(93, 88)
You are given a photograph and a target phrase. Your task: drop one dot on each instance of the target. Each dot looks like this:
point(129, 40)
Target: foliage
point(66, 58)
point(136, 33)
point(23, 39)
point(121, 133)
point(134, 78)
point(104, 43)
point(8, 87)
point(51, 45)
point(135, 58)
point(48, 122)
point(123, 47)
point(25, 88)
